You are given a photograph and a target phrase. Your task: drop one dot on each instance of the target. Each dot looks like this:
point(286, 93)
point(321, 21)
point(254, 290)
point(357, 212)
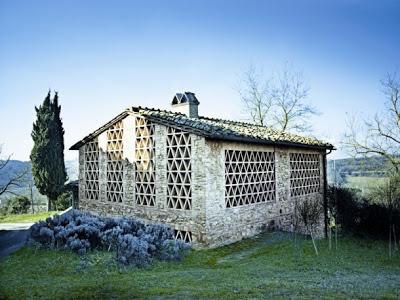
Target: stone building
point(214, 181)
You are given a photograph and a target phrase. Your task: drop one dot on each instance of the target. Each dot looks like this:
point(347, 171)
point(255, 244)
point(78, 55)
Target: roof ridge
point(202, 117)
point(224, 121)
point(155, 109)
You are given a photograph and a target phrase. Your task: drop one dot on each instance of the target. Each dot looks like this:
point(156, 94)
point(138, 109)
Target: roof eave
point(100, 130)
point(270, 142)
point(207, 135)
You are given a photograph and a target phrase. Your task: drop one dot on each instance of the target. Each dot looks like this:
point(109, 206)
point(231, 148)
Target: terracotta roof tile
point(216, 129)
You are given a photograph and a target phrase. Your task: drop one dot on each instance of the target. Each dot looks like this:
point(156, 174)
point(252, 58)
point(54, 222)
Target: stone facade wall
point(183, 220)
point(226, 225)
point(210, 222)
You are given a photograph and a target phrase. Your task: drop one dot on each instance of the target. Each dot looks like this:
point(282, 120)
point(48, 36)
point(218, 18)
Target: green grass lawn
point(365, 184)
point(264, 267)
point(26, 218)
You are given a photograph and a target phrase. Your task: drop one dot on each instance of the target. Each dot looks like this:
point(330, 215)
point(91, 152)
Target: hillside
point(14, 167)
point(359, 166)
point(340, 169)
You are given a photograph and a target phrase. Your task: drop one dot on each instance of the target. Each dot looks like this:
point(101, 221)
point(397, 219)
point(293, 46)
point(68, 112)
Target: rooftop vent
point(186, 103)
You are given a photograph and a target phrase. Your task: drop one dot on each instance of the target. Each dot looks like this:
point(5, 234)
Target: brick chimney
point(186, 103)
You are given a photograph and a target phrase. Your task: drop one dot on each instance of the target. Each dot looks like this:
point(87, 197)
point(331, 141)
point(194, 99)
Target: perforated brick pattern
point(92, 170)
point(145, 188)
point(183, 235)
point(304, 173)
point(115, 166)
point(179, 179)
point(249, 177)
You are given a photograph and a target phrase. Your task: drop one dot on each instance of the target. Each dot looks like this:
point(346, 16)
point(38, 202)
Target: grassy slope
point(366, 184)
point(26, 218)
point(263, 267)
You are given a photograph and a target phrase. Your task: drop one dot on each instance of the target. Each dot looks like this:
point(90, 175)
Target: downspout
point(324, 166)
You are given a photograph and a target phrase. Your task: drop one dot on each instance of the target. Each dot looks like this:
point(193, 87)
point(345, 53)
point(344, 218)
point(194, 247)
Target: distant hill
point(72, 167)
point(340, 169)
point(14, 167)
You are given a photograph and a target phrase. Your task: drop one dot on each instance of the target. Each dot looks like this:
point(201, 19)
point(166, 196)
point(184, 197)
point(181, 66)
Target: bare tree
point(256, 95)
point(379, 135)
point(310, 212)
point(15, 180)
point(278, 101)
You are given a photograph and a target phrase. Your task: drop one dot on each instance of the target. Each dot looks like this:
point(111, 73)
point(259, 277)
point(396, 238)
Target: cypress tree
point(47, 155)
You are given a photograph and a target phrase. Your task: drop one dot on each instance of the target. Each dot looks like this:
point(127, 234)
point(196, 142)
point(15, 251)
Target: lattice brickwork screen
point(145, 187)
point(249, 177)
point(115, 162)
point(185, 236)
point(92, 170)
point(304, 173)
point(179, 192)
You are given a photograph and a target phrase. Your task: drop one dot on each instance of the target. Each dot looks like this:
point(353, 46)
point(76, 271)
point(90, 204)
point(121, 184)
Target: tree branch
point(15, 181)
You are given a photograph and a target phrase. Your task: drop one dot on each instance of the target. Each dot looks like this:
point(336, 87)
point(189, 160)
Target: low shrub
point(63, 201)
point(17, 205)
point(133, 250)
point(172, 249)
point(42, 234)
point(357, 215)
point(134, 242)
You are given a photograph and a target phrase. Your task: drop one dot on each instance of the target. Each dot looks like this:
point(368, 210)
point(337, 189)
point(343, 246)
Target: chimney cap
point(186, 97)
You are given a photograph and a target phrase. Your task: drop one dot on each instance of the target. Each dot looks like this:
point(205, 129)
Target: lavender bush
point(134, 242)
point(133, 250)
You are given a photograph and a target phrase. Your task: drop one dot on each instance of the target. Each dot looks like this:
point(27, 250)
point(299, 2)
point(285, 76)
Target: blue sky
point(104, 56)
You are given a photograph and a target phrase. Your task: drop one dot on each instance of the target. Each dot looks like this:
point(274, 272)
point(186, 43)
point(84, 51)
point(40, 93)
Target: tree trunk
point(31, 190)
point(335, 237)
point(50, 204)
point(312, 239)
point(390, 241)
point(330, 238)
